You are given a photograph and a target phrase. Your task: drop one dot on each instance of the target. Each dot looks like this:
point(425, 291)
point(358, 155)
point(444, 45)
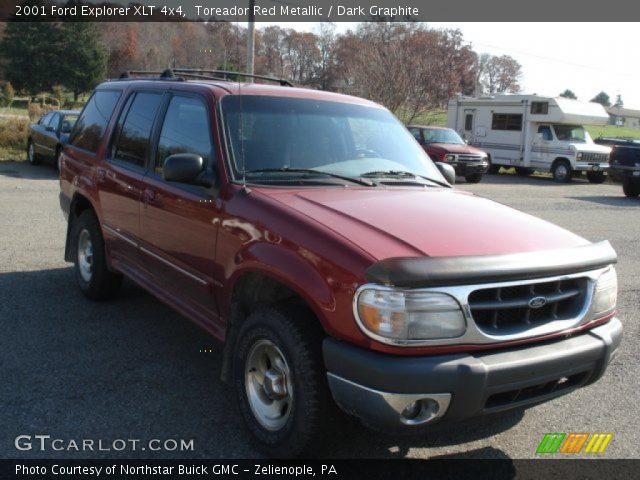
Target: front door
point(179, 222)
point(540, 145)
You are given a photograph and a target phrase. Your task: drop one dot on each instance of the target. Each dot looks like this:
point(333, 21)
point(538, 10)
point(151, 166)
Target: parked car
point(533, 133)
point(445, 145)
point(308, 232)
point(47, 137)
point(624, 162)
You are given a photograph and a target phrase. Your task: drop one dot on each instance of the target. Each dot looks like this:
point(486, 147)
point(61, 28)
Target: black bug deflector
point(438, 271)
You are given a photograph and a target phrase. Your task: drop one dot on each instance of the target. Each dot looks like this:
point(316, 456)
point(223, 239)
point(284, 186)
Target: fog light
point(420, 411)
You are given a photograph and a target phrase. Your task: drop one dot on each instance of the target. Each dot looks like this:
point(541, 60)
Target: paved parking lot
point(132, 368)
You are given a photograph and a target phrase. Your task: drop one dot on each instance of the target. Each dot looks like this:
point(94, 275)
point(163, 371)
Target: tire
point(56, 159)
point(562, 171)
point(523, 171)
point(32, 156)
point(493, 169)
point(596, 177)
point(630, 188)
point(473, 177)
point(94, 278)
point(287, 416)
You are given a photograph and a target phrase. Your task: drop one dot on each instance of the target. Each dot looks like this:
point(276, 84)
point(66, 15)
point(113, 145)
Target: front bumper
point(466, 168)
point(591, 167)
point(378, 388)
point(624, 171)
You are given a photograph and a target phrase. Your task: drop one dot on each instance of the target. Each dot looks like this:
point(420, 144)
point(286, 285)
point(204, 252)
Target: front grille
point(594, 157)
point(470, 158)
point(508, 310)
point(533, 392)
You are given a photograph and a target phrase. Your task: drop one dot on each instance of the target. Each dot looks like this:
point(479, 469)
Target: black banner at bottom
point(319, 469)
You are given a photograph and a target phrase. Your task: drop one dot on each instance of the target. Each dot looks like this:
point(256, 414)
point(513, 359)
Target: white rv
point(531, 132)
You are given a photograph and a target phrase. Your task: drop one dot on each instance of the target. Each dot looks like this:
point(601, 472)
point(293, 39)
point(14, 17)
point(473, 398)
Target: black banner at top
point(315, 10)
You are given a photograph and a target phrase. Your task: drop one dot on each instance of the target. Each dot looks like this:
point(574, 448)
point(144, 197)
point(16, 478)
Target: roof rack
point(180, 74)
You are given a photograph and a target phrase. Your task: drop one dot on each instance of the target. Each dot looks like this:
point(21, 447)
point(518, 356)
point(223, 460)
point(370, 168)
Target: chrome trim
point(473, 334)
point(174, 266)
point(119, 235)
point(385, 407)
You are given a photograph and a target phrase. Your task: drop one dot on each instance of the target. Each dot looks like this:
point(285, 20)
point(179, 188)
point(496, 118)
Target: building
point(624, 117)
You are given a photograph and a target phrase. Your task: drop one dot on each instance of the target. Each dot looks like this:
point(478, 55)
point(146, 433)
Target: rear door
point(50, 138)
point(38, 132)
point(120, 179)
point(179, 222)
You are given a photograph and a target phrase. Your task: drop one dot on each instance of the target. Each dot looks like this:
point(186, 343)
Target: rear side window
point(44, 120)
point(93, 121)
point(134, 127)
point(185, 130)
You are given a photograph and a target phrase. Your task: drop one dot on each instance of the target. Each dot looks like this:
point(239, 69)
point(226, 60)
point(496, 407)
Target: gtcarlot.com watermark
point(44, 443)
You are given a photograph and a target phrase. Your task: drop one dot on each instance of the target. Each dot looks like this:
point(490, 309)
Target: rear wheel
point(596, 177)
point(32, 156)
point(94, 278)
point(630, 188)
point(280, 382)
point(493, 169)
point(473, 177)
point(562, 171)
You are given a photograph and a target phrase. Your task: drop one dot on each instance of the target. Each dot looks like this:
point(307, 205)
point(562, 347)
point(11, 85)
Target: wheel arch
point(79, 203)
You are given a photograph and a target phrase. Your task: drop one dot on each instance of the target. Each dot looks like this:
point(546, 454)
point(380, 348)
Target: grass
point(13, 135)
point(13, 111)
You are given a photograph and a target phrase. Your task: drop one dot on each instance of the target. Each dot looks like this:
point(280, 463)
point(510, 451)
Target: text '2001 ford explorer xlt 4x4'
point(311, 234)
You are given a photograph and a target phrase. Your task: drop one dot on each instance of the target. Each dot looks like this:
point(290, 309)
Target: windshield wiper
point(359, 181)
point(402, 173)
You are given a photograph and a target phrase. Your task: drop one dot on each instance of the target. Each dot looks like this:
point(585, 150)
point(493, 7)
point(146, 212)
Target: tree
point(85, 63)
point(619, 102)
point(31, 52)
point(569, 94)
point(502, 75)
point(602, 98)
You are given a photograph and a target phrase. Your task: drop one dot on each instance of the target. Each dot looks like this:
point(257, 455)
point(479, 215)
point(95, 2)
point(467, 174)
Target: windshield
point(441, 135)
point(570, 133)
point(343, 139)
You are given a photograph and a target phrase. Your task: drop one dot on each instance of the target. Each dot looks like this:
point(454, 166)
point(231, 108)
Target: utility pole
point(251, 37)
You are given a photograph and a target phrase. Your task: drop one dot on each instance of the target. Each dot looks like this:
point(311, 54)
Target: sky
point(584, 57)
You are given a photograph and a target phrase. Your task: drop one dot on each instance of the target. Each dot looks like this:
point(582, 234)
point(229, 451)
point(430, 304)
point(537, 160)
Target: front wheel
point(32, 156)
point(630, 188)
point(596, 177)
point(279, 381)
point(473, 177)
point(562, 171)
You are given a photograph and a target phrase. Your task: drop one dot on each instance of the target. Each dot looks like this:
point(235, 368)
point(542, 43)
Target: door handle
point(149, 196)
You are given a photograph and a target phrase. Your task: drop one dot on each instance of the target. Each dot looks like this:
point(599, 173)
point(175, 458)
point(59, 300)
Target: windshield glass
point(570, 133)
point(338, 138)
point(441, 135)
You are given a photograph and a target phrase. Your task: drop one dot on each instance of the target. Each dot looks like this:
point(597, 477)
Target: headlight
point(405, 316)
point(579, 156)
point(605, 294)
point(450, 158)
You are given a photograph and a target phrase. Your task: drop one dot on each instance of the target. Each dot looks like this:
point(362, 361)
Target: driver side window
point(545, 130)
point(185, 130)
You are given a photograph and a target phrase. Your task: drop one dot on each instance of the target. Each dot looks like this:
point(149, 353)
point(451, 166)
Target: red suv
point(312, 235)
point(445, 145)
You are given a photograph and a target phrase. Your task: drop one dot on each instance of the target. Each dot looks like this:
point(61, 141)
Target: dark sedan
point(47, 137)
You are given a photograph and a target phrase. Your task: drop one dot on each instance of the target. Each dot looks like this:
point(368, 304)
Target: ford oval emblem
point(537, 302)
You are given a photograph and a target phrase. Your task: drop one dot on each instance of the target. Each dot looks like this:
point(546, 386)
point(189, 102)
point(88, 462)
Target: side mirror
point(186, 168)
point(50, 129)
point(447, 172)
point(540, 136)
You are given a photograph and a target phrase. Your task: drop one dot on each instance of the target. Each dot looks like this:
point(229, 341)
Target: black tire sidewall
point(291, 439)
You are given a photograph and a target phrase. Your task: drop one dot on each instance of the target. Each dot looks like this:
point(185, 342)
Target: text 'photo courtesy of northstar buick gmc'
point(311, 234)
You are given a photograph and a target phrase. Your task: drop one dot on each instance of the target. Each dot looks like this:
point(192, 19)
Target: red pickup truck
point(311, 234)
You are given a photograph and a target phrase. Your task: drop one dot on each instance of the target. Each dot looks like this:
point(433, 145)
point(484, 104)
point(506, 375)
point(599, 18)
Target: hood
point(401, 222)
point(456, 148)
point(591, 148)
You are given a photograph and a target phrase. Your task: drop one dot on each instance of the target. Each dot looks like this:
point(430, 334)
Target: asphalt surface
point(133, 369)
